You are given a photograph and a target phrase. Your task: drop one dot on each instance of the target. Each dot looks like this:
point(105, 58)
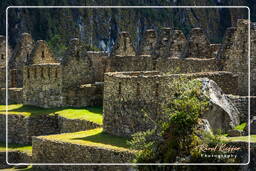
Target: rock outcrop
point(222, 114)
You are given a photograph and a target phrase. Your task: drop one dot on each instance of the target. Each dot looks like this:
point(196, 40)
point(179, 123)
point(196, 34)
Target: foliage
point(174, 136)
point(56, 43)
point(241, 126)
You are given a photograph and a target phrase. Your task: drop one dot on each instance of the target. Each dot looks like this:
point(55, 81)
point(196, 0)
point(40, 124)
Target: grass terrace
point(24, 148)
point(94, 137)
point(93, 114)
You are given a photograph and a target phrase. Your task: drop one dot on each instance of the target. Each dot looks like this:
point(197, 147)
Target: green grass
point(93, 114)
point(89, 114)
point(242, 138)
point(94, 137)
point(240, 127)
point(23, 148)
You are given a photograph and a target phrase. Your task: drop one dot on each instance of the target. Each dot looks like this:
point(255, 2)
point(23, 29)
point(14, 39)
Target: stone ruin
point(78, 79)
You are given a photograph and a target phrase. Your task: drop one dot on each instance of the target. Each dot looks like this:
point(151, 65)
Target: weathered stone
point(198, 45)
point(42, 54)
point(132, 98)
point(21, 55)
point(178, 43)
point(148, 43)
point(163, 43)
point(123, 46)
point(222, 114)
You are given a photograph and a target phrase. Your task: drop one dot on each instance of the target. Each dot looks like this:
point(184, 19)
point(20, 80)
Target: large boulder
point(221, 114)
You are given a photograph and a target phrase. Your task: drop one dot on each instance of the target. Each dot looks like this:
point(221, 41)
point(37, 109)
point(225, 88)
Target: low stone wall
point(2, 77)
point(14, 96)
point(85, 95)
point(75, 125)
point(241, 103)
point(128, 96)
point(21, 128)
point(186, 65)
point(50, 151)
point(14, 156)
point(130, 63)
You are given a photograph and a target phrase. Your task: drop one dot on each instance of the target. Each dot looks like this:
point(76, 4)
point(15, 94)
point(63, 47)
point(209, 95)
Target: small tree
point(174, 136)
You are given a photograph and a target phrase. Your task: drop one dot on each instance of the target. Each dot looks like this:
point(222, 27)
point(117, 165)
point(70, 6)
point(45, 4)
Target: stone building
point(78, 79)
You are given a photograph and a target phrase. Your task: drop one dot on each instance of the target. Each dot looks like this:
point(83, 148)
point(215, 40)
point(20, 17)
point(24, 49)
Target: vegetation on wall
point(177, 138)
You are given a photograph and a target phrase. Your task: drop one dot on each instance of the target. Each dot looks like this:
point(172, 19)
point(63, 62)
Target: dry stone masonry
point(131, 84)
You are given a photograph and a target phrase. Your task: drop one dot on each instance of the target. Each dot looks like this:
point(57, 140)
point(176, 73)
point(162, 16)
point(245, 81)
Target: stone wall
point(130, 63)
point(128, 96)
point(198, 45)
point(236, 56)
point(187, 65)
point(14, 96)
point(99, 64)
point(2, 77)
point(43, 85)
point(75, 125)
point(21, 55)
point(41, 54)
point(177, 44)
point(241, 103)
point(14, 156)
point(26, 127)
point(50, 151)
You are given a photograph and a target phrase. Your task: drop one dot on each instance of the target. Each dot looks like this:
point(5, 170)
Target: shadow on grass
point(97, 110)
point(36, 111)
point(105, 138)
point(33, 110)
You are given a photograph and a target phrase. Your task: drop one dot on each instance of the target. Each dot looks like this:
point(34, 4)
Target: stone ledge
point(74, 125)
point(59, 148)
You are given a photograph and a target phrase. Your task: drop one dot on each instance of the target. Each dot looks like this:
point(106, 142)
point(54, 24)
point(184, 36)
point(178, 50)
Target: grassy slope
point(94, 137)
point(23, 148)
point(90, 114)
point(243, 138)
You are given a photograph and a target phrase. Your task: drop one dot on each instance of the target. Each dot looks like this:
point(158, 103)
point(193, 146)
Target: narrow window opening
point(138, 89)
point(42, 54)
point(119, 88)
point(28, 74)
point(157, 90)
point(56, 73)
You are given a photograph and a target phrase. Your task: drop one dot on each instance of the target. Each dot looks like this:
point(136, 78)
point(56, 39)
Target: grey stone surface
point(222, 114)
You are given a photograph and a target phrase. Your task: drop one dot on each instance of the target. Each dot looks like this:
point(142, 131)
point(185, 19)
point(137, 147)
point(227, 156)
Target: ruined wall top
point(42, 54)
point(163, 44)
point(3, 51)
point(148, 43)
point(22, 50)
point(76, 50)
point(123, 45)
point(198, 45)
point(177, 44)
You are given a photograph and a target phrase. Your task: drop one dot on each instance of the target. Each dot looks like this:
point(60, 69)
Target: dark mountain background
point(98, 28)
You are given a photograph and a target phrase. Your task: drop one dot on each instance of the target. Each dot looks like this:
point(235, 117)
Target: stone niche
point(132, 99)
